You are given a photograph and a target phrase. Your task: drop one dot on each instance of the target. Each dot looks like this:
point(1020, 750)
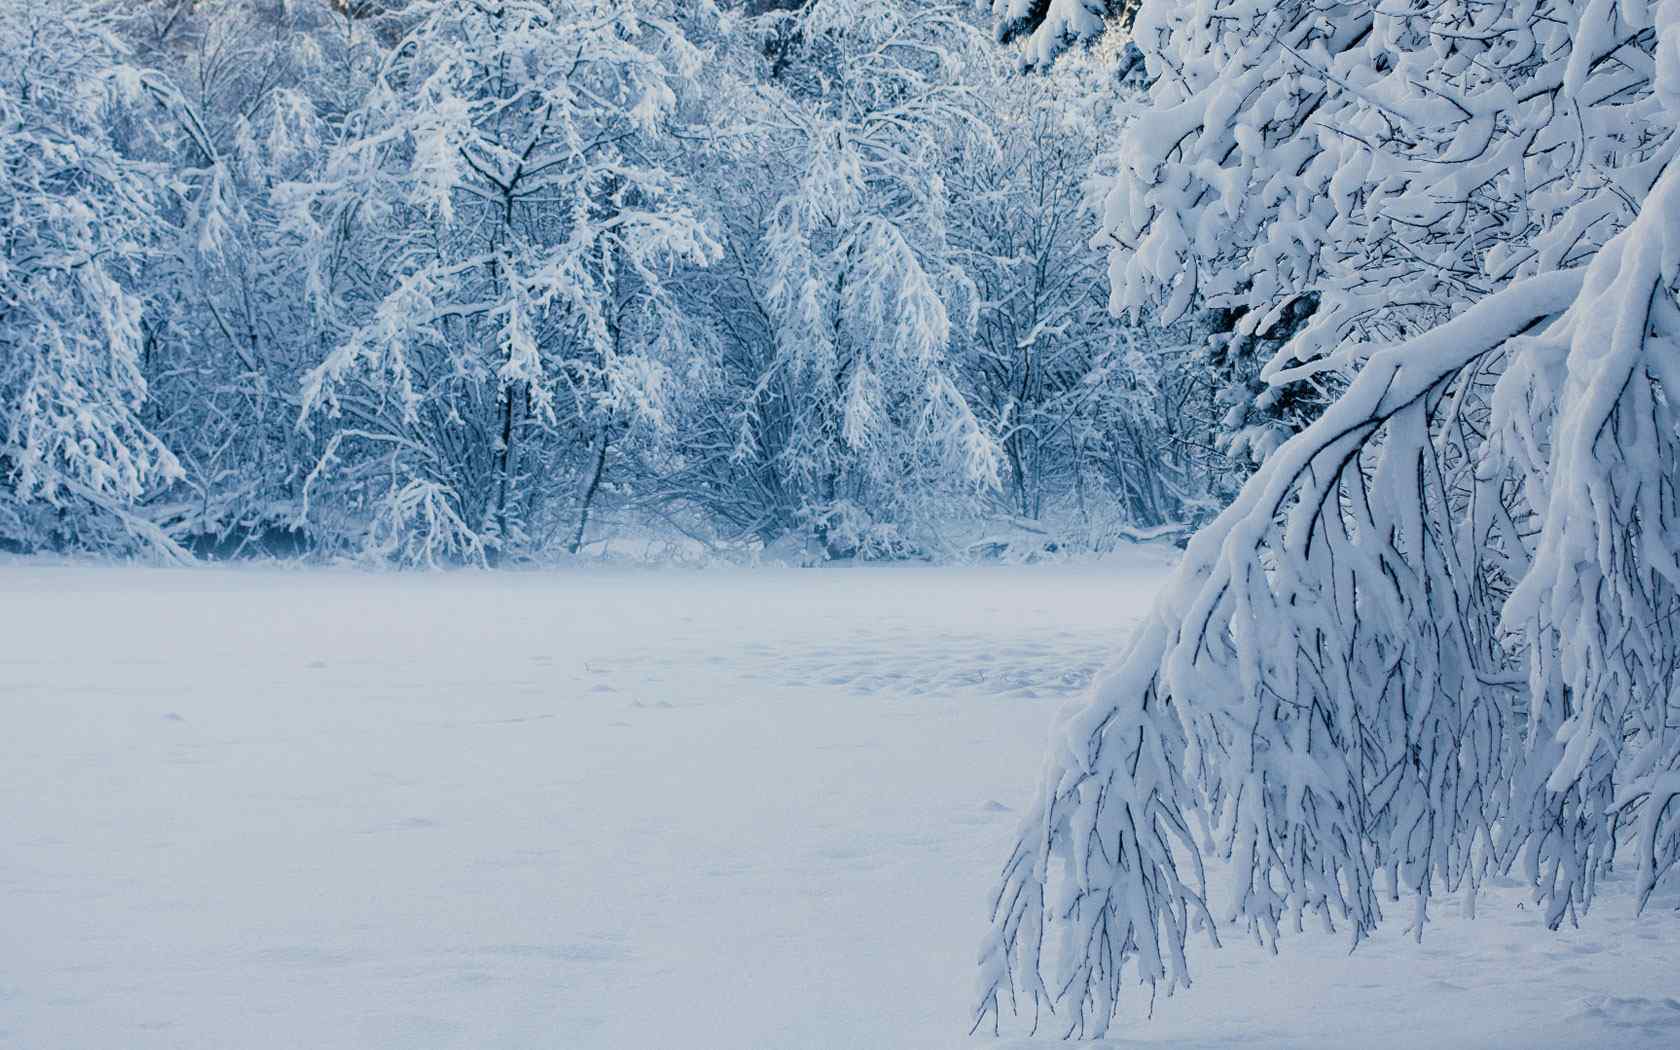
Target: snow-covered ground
point(261, 809)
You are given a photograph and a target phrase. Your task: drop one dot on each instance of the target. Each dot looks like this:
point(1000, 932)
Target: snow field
point(258, 809)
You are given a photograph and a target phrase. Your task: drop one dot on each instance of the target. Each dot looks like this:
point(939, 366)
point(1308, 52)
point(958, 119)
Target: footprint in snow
point(409, 1030)
point(594, 951)
point(304, 955)
point(1655, 1016)
point(405, 824)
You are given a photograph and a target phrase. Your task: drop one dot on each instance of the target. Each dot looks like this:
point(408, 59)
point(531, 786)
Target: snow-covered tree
point(1042, 353)
point(243, 96)
point(1434, 638)
point(1044, 29)
point(1103, 422)
point(864, 287)
point(840, 404)
point(487, 248)
point(79, 220)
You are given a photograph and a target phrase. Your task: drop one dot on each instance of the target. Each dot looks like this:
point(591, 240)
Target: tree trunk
point(589, 492)
point(505, 483)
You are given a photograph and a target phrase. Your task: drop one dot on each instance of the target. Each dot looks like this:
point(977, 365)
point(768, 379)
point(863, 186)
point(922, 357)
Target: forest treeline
point(438, 281)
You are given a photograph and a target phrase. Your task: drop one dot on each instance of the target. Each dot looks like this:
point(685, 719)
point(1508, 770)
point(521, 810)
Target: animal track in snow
point(1055, 665)
point(1653, 1016)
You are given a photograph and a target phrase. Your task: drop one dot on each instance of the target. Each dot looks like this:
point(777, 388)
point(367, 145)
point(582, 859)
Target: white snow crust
point(250, 809)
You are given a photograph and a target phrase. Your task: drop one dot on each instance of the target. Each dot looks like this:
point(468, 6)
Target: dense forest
point(440, 282)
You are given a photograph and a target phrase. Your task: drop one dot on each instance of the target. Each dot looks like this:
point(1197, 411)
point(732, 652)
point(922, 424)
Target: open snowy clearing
point(254, 808)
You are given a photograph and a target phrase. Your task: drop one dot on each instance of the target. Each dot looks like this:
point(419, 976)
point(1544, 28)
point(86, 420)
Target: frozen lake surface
point(251, 809)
